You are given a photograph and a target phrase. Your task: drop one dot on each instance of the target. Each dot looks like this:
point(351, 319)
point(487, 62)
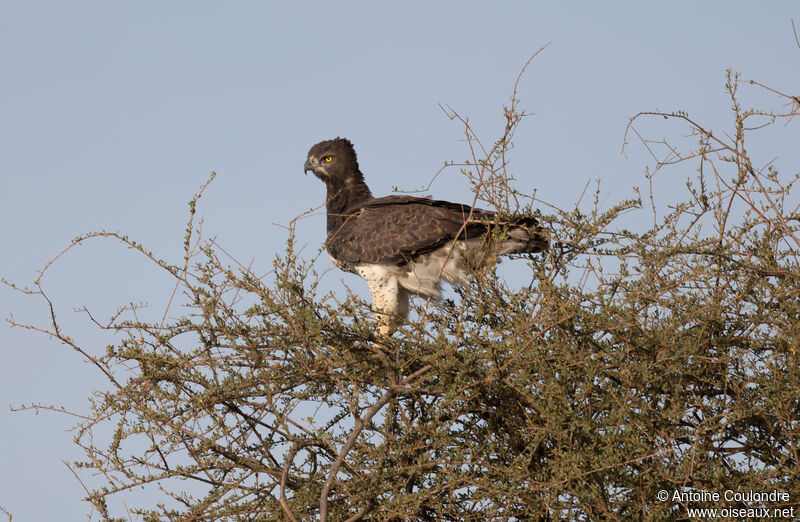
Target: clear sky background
point(112, 114)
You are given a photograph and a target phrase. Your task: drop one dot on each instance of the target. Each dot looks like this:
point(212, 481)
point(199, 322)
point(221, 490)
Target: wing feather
point(396, 229)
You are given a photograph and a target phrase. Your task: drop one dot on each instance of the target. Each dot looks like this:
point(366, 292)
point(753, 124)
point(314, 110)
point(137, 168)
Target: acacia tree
point(635, 361)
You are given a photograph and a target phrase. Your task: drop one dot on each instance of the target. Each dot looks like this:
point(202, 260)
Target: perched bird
point(405, 245)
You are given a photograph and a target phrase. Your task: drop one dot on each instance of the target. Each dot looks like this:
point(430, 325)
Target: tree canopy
point(650, 351)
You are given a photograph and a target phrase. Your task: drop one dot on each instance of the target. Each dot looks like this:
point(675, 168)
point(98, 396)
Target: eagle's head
point(333, 161)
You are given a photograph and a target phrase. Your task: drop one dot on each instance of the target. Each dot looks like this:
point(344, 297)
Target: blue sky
point(112, 115)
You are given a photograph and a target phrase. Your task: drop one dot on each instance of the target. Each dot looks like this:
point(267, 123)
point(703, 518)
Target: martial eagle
point(405, 245)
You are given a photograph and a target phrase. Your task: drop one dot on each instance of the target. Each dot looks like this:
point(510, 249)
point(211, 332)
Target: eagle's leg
point(389, 300)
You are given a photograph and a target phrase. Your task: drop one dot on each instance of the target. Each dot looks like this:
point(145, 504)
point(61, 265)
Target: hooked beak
point(307, 166)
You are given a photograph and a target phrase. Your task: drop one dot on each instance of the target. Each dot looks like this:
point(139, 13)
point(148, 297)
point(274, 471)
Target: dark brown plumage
point(404, 244)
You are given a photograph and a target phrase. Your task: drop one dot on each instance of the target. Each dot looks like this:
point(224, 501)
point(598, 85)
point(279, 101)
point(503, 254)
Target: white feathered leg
point(389, 299)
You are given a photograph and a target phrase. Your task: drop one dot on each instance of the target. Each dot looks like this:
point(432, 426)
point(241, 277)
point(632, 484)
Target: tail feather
point(524, 236)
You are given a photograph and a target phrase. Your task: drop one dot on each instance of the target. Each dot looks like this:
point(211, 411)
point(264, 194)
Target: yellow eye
point(327, 159)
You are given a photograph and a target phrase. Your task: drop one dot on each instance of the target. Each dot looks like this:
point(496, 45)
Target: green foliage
point(662, 358)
